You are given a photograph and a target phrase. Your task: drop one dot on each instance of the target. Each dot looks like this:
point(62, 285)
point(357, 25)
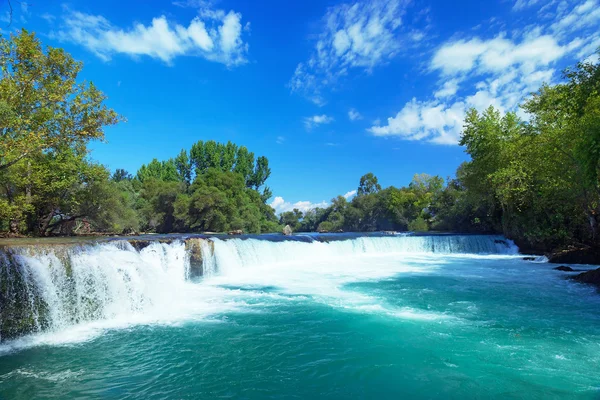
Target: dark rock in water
point(140, 244)
point(287, 231)
point(500, 241)
point(564, 268)
point(528, 258)
point(236, 232)
point(589, 277)
point(193, 246)
point(587, 255)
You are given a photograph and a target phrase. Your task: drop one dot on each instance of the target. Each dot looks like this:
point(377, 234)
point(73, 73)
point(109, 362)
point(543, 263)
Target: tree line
point(536, 180)
point(49, 185)
point(214, 187)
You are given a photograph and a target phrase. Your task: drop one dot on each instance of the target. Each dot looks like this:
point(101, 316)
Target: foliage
point(535, 180)
point(42, 104)
point(368, 184)
point(291, 218)
point(219, 201)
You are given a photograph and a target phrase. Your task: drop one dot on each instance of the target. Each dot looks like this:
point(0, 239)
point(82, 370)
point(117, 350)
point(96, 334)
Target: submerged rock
point(564, 268)
point(528, 258)
point(589, 277)
point(287, 231)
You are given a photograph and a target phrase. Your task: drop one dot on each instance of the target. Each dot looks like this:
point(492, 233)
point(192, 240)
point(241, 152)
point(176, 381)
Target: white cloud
point(497, 54)
point(584, 15)
point(500, 71)
point(280, 205)
point(350, 194)
point(521, 4)
point(354, 115)
point(214, 35)
point(424, 120)
point(316, 120)
point(359, 35)
point(280, 139)
point(448, 89)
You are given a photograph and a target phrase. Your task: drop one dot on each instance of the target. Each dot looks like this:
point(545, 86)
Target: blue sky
point(327, 90)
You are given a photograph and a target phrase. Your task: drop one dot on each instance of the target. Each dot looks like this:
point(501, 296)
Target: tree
point(261, 173)
point(157, 205)
point(291, 218)
point(159, 170)
point(244, 164)
point(184, 167)
point(121, 175)
point(368, 184)
point(220, 201)
point(42, 104)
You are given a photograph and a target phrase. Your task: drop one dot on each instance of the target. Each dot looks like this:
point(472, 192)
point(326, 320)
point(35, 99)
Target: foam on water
point(113, 286)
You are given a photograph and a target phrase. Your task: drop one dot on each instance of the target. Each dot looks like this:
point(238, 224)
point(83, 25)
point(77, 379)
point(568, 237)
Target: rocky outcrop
point(589, 277)
point(287, 231)
point(588, 255)
point(21, 311)
point(140, 244)
point(193, 248)
point(235, 232)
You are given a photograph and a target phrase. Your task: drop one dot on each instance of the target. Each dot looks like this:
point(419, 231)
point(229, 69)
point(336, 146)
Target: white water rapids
point(76, 294)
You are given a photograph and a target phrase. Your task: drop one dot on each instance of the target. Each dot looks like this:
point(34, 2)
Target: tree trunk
point(44, 223)
point(593, 226)
point(28, 186)
point(14, 226)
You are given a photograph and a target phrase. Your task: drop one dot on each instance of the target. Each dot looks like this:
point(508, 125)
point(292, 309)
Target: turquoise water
point(375, 325)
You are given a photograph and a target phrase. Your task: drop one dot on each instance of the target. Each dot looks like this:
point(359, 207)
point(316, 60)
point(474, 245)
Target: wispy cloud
point(475, 72)
point(354, 115)
point(360, 35)
point(316, 120)
point(280, 140)
point(521, 4)
point(214, 35)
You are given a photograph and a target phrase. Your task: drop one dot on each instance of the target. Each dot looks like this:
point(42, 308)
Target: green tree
point(291, 218)
point(220, 201)
point(42, 103)
point(157, 205)
point(261, 173)
point(368, 184)
point(184, 167)
point(159, 170)
point(121, 175)
point(244, 164)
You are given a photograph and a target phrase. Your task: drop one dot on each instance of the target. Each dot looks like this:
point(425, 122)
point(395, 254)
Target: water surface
point(362, 318)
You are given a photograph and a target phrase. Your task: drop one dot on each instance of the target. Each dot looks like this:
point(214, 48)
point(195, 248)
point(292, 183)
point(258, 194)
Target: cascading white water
point(93, 283)
point(232, 254)
point(51, 289)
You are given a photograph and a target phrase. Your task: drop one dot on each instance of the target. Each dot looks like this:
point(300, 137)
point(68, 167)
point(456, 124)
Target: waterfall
point(237, 253)
point(50, 288)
